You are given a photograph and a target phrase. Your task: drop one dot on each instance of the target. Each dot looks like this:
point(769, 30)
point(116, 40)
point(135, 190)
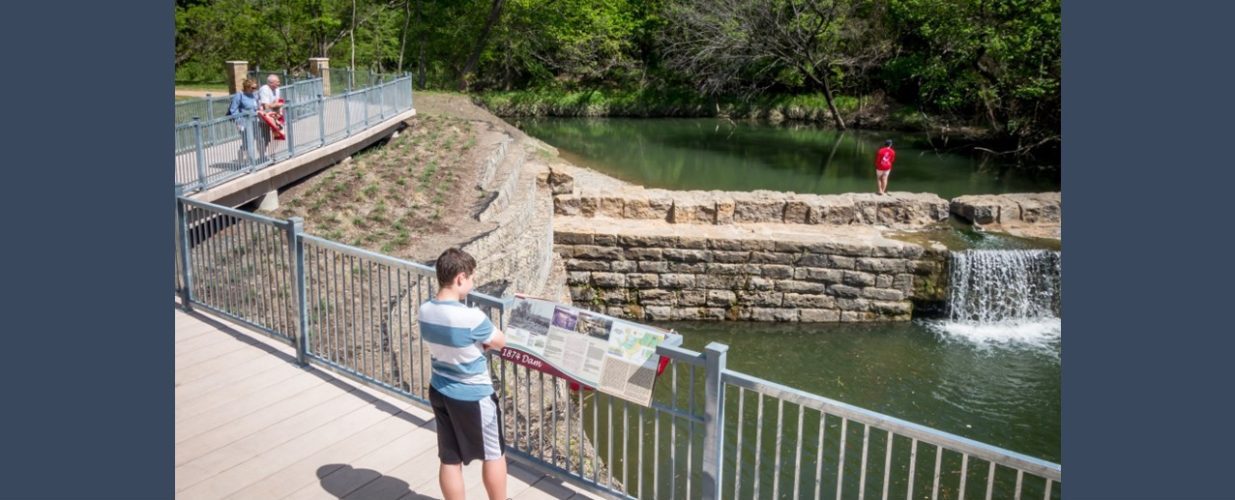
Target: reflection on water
point(710, 153)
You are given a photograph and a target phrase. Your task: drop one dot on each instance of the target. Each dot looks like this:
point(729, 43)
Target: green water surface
point(711, 153)
point(1005, 393)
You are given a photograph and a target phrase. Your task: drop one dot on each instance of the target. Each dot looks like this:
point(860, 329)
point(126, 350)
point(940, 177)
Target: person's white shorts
point(882, 173)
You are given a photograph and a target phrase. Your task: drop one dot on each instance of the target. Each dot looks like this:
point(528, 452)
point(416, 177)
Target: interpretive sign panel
point(614, 356)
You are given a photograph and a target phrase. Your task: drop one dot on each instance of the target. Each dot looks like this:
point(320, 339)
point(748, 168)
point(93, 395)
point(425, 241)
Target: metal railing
point(346, 80)
point(215, 150)
point(215, 106)
point(822, 446)
point(709, 432)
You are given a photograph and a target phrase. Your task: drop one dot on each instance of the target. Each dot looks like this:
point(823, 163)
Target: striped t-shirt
point(455, 333)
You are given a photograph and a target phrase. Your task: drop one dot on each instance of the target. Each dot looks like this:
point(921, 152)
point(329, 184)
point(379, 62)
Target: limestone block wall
point(1016, 208)
point(519, 251)
point(666, 277)
point(729, 207)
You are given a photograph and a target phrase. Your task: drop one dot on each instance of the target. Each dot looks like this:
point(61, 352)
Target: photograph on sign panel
point(594, 325)
point(532, 316)
point(565, 318)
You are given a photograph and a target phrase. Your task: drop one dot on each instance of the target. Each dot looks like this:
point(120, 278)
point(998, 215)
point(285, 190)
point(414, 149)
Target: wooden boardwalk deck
point(252, 424)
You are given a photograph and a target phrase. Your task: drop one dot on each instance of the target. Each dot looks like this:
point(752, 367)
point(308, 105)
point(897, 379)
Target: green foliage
point(651, 102)
point(996, 59)
point(994, 63)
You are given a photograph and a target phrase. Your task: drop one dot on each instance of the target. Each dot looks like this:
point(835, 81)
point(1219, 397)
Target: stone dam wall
point(652, 254)
point(658, 273)
point(724, 207)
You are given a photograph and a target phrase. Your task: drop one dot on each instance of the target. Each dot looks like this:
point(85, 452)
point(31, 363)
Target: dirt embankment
point(410, 197)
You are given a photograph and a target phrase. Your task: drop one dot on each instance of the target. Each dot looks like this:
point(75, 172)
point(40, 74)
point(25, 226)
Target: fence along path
point(210, 151)
point(251, 424)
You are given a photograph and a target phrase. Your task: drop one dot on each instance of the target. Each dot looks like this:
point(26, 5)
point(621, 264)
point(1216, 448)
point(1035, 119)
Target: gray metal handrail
point(214, 106)
point(212, 148)
point(922, 433)
point(353, 311)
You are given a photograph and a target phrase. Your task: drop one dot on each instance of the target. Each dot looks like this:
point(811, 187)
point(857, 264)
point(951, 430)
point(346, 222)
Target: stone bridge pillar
point(236, 71)
point(320, 67)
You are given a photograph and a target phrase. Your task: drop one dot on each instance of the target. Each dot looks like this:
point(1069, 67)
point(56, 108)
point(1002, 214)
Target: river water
point(983, 374)
point(998, 386)
point(711, 153)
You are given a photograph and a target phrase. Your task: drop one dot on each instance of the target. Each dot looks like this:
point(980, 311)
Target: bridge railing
point(215, 150)
point(710, 432)
point(346, 80)
point(789, 442)
point(215, 106)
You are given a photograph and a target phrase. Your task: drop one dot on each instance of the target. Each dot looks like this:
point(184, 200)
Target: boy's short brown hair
point(452, 262)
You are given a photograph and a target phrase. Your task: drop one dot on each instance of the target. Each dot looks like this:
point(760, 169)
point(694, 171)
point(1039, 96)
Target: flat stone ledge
point(730, 242)
point(1029, 208)
point(1031, 215)
point(757, 207)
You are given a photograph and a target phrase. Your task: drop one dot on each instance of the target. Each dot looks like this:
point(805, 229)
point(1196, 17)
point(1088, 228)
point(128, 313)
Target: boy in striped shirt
point(469, 423)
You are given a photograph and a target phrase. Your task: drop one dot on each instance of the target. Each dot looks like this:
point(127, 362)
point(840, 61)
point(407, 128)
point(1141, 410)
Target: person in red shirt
point(883, 165)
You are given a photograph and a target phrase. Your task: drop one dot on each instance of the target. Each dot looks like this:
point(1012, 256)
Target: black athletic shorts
point(467, 430)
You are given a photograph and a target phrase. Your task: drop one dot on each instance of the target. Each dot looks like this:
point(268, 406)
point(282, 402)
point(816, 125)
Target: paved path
point(252, 424)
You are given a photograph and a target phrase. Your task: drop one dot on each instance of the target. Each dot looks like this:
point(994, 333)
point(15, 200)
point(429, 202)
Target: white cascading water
point(1004, 295)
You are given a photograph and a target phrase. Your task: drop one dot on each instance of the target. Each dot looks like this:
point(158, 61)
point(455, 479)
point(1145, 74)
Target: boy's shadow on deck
point(342, 480)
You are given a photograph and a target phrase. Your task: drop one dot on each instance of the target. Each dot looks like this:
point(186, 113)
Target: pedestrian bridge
point(222, 159)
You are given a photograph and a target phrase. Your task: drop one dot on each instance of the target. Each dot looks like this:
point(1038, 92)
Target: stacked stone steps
point(506, 180)
point(496, 155)
point(518, 250)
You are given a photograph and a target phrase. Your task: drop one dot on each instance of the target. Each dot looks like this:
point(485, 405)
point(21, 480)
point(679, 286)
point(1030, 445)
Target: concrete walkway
point(252, 424)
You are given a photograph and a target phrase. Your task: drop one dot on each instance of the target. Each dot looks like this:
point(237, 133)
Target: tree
point(750, 45)
point(567, 43)
point(495, 12)
point(997, 59)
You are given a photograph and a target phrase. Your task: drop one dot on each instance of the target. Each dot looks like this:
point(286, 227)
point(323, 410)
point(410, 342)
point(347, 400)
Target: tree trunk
point(494, 13)
point(407, 18)
point(424, 38)
point(351, 35)
point(827, 96)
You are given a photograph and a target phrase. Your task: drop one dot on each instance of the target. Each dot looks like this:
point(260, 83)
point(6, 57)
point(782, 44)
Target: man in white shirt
point(269, 100)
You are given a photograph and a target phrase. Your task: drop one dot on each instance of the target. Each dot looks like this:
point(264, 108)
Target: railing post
point(713, 419)
point(201, 154)
point(380, 97)
point(291, 140)
point(383, 99)
point(368, 94)
point(186, 272)
point(210, 115)
point(347, 112)
point(295, 244)
point(249, 151)
point(388, 99)
point(321, 120)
